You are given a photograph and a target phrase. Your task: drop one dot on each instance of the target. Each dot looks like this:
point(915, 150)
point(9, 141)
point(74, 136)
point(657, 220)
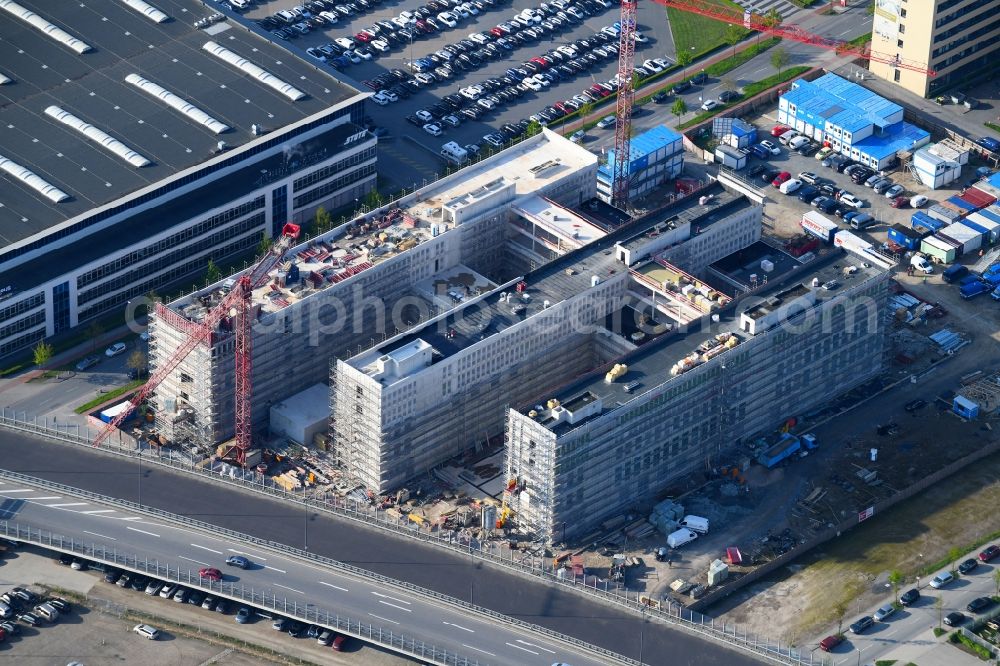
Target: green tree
point(94, 331)
point(840, 609)
point(679, 108)
point(779, 58)
point(870, 9)
point(534, 127)
point(684, 59)
point(137, 361)
point(585, 110)
point(939, 607)
point(772, 18)
point(734, 35)
point(636, 80)
point(373, 199)
point(953, 554)
point(895, 578)
point(42, 354)
point(324, 221)
point(265, 243)
point(212, 273)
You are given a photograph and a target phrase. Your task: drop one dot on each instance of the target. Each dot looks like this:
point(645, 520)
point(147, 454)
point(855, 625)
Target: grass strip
point(749, 91)
point(110, 395)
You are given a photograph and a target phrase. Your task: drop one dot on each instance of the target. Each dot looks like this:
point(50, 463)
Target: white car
point(329, 17)
point(771, 146)
point(447, 19)
point(344, 42)
point(942, 579)
point(486, 104)
point(611, 31)
point(493, 139)
point(115, 349)
point(451, 120)
point(710, 104)
point(654, 68)
point(433, 129)
point(425, 78)
point(567, 51)
point(380, 99)
point(662, 62)
point(389, 95)
point(379, 45)
point(364, 54)
point(641, 38)
point(314, 53)
point(424, 115)
point(852, 201)
point(918, 201)
point(532, 83)
point(471, 92)
point(478, 37)
point(152, 633)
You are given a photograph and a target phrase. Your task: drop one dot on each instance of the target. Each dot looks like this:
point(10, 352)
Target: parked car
point(909, 597)
point(894, 191)
point(943, 579)
point(243, 615)
point(830, 642)
point(969, 564)
point(87, 362)
point(147, 631)
point(979, 604)
point(771, 146)
point(990, 553)
point(954, 619)
point(851, 200)
point(882, 613)
point(862, 625)
point(115, 349)
point(808, 177)
point(781, 179)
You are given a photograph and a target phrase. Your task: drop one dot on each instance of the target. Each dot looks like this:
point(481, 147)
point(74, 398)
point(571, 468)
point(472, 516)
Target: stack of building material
point(666, 515)
point(948, 341)
point(640, 529)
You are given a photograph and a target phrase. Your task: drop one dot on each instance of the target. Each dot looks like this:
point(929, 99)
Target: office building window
point(279, 209)
point(60, 307)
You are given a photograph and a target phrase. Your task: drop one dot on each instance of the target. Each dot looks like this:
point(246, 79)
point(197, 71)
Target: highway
point(396, 557)
point(300, 582)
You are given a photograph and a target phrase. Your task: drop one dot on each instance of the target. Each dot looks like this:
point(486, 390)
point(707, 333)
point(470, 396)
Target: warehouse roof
point(57, 92)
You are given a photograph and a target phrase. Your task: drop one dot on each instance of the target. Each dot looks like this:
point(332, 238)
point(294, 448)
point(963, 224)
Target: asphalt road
point(290, 578)
point(386, 554)
point(908, 633)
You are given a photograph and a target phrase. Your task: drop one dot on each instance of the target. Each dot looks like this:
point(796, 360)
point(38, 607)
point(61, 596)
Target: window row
point(168, 259)
point(22, 342)
point(334, 185)
point(22, 306)
point(330, 169)
point(24, 324)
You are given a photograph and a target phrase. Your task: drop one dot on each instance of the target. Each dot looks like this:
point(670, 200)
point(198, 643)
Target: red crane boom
point(240, 299)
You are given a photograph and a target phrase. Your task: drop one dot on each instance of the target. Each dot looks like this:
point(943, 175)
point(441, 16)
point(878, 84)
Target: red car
point(210, 573)
point(830, 642)
point(541, 63)
point(338, 642)
point(781, 178)
point(778, 130)
point(363, 37)
point(989, 553)
point(496, 32)
point(900, 202)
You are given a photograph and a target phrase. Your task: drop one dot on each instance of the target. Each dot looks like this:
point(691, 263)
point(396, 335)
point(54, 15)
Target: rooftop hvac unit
point(545, 304)
point(594, 280)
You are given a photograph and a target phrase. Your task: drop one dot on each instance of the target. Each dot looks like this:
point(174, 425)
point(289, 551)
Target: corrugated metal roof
point(897, 137)
point(652, 140)
point(841, 102)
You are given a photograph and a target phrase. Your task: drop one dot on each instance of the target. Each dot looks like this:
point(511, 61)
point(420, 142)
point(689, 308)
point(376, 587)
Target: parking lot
point(602, 13)
point(100, 630)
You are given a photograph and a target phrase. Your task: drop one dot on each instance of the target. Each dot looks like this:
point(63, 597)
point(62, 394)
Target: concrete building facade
point(956, 39)
point(607, 444)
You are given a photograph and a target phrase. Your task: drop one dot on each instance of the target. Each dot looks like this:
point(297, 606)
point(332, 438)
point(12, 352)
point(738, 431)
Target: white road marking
point(21, 490)
point(384, 619)
point(478, 649)
point(250, 555)
point(395, 606)
point(336, 587)
point(450, 624)
point(288, 588)
point(217, 552)
point(131, 518)
point(204, 564)
point(845, 32)
point(522, 648)
point(386, 596)
point(273, 569)
point(58, 506)
point(98, 511)
point(535, 646)
point(135, 529)
point(39, 499)
point(100, 535)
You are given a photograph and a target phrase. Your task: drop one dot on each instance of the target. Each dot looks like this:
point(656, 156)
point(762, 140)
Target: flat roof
point(720, 205)
point(650, 365)
point(568, 227)
point(896, 137)
point(92, 87)
point(648, 143)
point(841, 102)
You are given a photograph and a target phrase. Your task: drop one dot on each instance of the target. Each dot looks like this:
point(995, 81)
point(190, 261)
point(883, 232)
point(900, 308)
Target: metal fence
point(533, 567)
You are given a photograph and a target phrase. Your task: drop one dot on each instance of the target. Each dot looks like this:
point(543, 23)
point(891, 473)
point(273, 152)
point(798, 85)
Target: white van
point(920, 262)
point(787, 136)
point(47, 612)
point(152, 633)
point(681, 537)
point(696, 523)
point(790, 186)
point(797, 142)
point(454, 153)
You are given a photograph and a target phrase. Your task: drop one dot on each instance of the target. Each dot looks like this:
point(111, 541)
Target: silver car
point(882, 613)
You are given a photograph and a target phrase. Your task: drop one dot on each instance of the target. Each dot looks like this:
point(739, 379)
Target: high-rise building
point(956, 39)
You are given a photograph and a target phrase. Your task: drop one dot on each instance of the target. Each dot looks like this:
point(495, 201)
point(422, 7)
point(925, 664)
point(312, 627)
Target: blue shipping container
point(925, 221)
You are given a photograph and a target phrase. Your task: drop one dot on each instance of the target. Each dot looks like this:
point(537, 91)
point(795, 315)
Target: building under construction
point(354, 287)
point(427, 395)
point(605, 443)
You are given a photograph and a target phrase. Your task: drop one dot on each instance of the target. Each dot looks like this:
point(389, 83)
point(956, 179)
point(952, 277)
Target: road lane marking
point(479, 649)
point(103, 536)
point(136, 529)
point(336, 587)
point(395, 606)
point(131, 518)
point(522, 648)
point(217, 552)
point(39, 499)
point(21, 490)
point(386, 596)
point(98, 511)
point(535, 646)
point(204, 564)
point(67, 504)
point(245, 553)
point(273, 569)
point(452, 624)
point(384, 619)
point(284, 587)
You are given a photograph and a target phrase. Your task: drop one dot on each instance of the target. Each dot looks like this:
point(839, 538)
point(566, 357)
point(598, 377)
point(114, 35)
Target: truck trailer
point(786, 447)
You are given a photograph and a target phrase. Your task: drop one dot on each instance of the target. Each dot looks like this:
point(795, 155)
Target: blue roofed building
point(851, 119)
point(656, 155)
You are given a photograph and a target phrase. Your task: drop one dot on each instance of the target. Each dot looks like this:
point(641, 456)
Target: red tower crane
point(239, 299)
point(747, 19)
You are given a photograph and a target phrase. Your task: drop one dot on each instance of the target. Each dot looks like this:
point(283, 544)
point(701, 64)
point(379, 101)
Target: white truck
point(681, 537)
point(696, 523)
point(454, 153)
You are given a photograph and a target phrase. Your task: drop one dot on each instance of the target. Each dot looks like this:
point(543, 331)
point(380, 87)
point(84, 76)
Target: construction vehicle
point(733, 15)
point(238, 302)
point(505, 510)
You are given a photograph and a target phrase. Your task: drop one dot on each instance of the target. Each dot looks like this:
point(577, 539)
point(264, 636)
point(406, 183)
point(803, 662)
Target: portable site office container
point(906, 237)
point(967, 238)
point(989, 220)
point(819, 225)
point(938, 249)
point(944, 214)
point(730, 157)
point(924, 221)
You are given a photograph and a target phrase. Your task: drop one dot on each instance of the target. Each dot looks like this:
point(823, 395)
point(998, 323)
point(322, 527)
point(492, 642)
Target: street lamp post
point(138, 459)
